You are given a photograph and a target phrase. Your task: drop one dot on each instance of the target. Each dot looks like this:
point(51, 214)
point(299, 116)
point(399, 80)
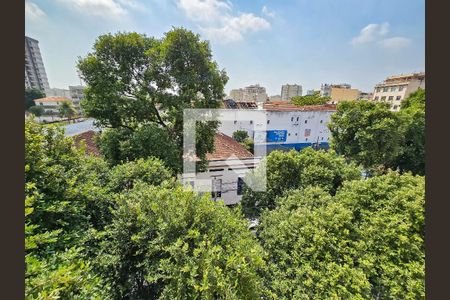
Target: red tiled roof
point(225, 146)
point(52, 99)
point(286, 106)
point(89, 139)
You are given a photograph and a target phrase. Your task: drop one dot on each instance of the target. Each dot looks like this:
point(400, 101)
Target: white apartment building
point(35, 75)
point(251, 93)
point(396, 88)
point(281, 125)
point(51, 104)
point(290, 90)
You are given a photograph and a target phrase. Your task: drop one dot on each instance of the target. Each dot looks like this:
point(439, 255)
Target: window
point(391, 98)
point(306, 121)
point(240, 186)
point(297, 119)
point(321, 138)
point(398, 98)
point(306, 139)
point(216, 191)
point(385, 89)
point(289, 134)
point(296, 134)
point(321, 121)
point(376, 98)
point(383, 98)
point(400, 88)
point(251, 122)
point(393, 89)
point(292, 119)
point(235, 121)
point(395, 106)
point(378, 90)
point(268, 121)
point(307, 132)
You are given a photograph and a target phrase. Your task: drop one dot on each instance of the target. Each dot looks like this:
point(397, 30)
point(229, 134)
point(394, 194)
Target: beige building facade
point(396, 88)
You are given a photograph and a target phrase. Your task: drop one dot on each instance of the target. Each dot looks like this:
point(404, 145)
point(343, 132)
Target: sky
point(270, 42)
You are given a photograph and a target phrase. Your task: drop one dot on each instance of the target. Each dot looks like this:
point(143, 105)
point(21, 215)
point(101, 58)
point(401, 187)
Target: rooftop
point(89, 139)
point(51, 99)
point(286, 106)
point(225, 147)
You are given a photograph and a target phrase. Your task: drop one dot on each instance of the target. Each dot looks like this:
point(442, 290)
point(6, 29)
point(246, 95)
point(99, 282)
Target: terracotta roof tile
point(89, 138)
point(225, 146)
point(52, 99)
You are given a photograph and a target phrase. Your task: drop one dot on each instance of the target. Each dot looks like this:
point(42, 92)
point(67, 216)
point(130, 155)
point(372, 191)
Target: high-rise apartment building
point(396, 88)
point(35, 76)
point(290, 90)
point(251, 93)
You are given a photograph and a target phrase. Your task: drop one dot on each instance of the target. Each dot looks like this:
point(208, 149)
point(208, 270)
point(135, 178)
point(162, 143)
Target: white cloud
point(109, 9)
point(267, 12)
point(217, 21)
point(371, 33)
point(395, 43)
point(33, 12)
point(375, 34)
point(204, 10)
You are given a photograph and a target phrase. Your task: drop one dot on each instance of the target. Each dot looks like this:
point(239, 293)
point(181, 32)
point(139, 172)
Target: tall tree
point(285, 171)
point(135, 80)
point(30, 95)
point(366, 242)
point(314, 99)
point(366, 132)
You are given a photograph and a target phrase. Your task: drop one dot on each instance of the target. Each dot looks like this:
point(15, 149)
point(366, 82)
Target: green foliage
point(240, 135)
point(36, 110)
point(120, 145)
point(412, 115)
point(314, 99)
point(151, 171)
point(365, 242)
point(63, 276)
point(66, 110)
point(292, 170)
point(64, 197)
point(134, 80)
point(366, 132)
point(416, 99)
point(171, 244)
point(30, 95)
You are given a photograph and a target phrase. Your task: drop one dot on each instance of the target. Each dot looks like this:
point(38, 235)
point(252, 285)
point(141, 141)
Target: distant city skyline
point(256, 42)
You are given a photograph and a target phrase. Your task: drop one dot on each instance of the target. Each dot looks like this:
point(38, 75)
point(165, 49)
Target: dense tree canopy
point(366, 132)
point(291, 170)
point(128, 231)
point(365, 242)
point(314, 99)
point(134, 80)
point(412, 115)
point(171, 244)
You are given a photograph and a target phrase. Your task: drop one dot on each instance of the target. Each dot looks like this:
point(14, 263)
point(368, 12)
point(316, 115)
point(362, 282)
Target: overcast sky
point(270, 42)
